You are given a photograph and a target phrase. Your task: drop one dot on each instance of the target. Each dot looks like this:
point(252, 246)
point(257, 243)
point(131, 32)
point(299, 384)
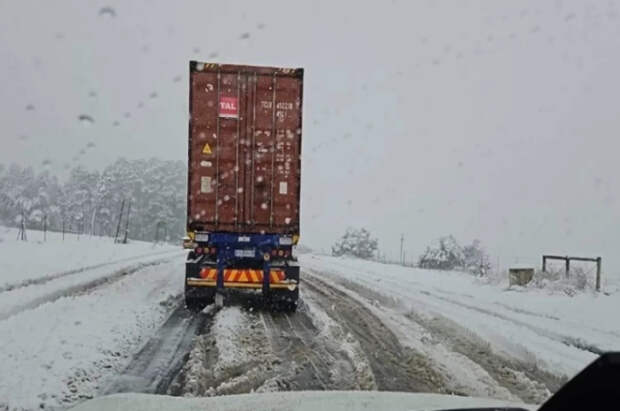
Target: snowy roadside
point(25, 261)
point(19, 299)
point(556, 333)
point(62, 352)
point(464, 361)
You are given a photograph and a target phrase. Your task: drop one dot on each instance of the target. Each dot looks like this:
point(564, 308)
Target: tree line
point(89, 201)
point(443, 254)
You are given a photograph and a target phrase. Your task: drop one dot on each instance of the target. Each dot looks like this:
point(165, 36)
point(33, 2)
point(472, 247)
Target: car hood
point(299, 400)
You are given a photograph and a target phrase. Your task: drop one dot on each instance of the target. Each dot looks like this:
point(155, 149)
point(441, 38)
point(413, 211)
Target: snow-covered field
point(557, 333)
point(24, 261)
point(74, 312)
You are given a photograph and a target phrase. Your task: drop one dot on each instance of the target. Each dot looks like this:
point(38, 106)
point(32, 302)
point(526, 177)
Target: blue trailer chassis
point(242, 251)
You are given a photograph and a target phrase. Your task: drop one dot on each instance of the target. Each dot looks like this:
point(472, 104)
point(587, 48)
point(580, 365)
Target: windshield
point(204, 199)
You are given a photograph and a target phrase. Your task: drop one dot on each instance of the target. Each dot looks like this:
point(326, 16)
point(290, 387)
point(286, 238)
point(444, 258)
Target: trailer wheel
point(197, 298)
point(286, 300)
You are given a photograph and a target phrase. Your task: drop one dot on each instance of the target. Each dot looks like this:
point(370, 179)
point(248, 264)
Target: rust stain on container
point(244, 148)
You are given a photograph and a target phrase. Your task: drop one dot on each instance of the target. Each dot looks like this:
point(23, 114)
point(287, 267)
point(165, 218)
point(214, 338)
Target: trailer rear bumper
point(200, 282)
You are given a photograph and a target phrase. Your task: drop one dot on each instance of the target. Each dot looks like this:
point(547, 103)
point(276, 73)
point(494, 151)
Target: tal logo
point(229, 107)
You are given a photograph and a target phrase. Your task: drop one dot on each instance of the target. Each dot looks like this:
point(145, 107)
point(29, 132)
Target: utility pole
point(127, 223)
point(161, 226)
point(21, 235)
point(120, 217)
point(402, 239)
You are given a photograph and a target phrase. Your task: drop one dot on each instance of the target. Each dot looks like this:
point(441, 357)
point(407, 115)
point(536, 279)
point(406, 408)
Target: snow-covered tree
point(476, 259)
point(79, 189)
point(356, 242)
point(447, 254)
point(89, 201)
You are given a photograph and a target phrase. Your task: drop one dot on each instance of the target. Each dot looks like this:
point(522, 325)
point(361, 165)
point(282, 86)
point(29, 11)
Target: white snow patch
point(62, 352)
point(18, 299)
point(230, 323)
point(557, 333)
point(331, 331)
point(21, 261)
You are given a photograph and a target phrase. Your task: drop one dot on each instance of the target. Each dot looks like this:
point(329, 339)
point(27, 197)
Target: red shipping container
point(245, 132)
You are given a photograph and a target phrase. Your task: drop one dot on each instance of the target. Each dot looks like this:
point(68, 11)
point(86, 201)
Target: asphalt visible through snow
point(161, 358)
point(333, 342)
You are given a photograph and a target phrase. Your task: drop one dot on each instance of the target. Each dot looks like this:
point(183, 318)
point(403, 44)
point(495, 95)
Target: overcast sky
point(494, 120)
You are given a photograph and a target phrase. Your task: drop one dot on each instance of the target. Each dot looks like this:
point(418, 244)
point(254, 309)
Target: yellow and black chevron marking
point(243, 275)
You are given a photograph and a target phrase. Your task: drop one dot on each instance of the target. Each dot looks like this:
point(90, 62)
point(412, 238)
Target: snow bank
point(227, 332)
point(19, 299)
point(558, 333)
point(24, 261)
point(62, 352)
point(235, 350)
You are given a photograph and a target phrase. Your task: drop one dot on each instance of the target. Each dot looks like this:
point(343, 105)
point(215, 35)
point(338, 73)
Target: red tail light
point(198, 250)
point(274, 252)
point(213, 250)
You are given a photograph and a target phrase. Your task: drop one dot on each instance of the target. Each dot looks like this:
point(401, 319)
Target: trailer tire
point(197, 298)
point(286, 300)
point(193, 304)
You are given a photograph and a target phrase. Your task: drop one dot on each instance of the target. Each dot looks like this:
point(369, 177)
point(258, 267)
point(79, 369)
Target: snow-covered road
point(557, 333)
point(346, 336)
point(360, 326)
point(62, 339)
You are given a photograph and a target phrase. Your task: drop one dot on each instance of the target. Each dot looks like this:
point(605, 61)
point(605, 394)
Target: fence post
point(598, 274)
point(544, 264)
point(120, 217)
point(567, 266)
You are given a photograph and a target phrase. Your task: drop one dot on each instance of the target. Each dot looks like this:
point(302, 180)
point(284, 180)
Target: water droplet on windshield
point(86, 120)
point(107, 11)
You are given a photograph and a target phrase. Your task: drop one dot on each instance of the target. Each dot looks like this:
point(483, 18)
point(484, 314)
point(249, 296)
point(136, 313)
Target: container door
point(277, 135)
point(246, 135)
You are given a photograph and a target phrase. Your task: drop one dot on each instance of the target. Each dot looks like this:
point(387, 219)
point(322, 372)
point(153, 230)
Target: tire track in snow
point(574, 342)
point(291, 342)
point(272, 351)
point(231, 358)
point(63, 353)
point(78, 288)
point(160, 360)
point(50, 277)
point(395, 368)
point(567, 340)
point(523, 380)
